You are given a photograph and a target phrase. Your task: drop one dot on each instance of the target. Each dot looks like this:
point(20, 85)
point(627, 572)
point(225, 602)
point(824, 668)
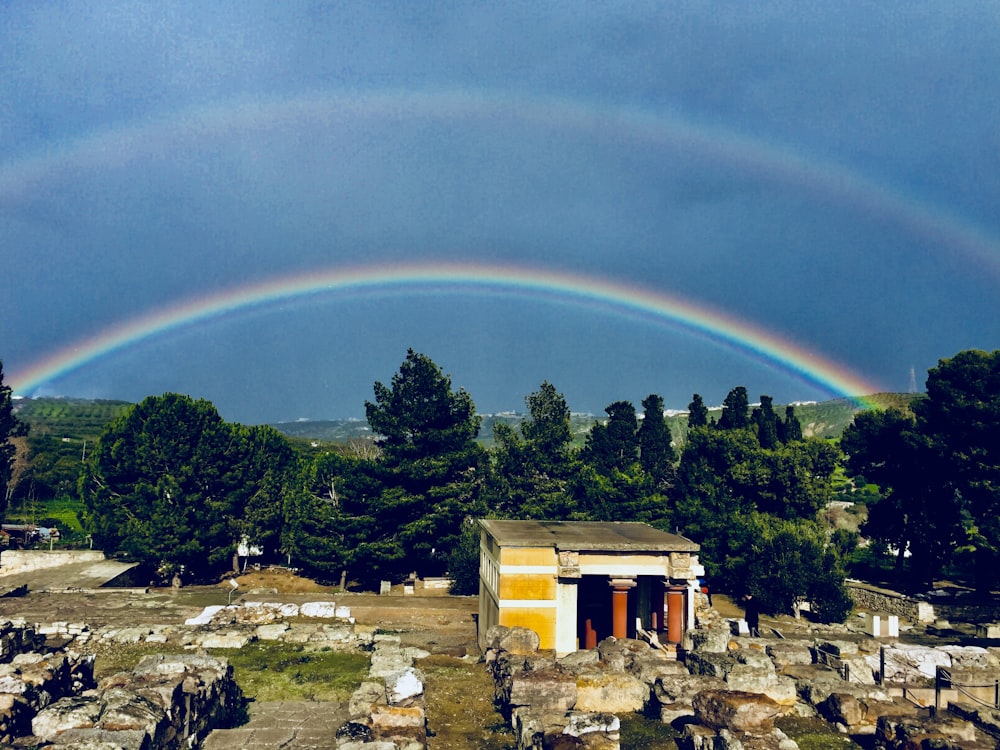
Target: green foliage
point(170, 483)
point(786, 562)
point(431, 470)
point(74, 418)
point(463, 561)
point(532, 471)
point(697, 412)
point(10, 427)
point(960, 419)
point(656, 451)
point(326, 513)
point(917, 511)
point(735, 410)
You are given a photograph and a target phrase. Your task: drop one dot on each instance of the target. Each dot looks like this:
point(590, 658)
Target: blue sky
point(827, 172)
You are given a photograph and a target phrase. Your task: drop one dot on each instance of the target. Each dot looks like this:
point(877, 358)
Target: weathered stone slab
point(614, 692)
point(781, 690)
point(905, 661)
point(271, 632)
point(648, 665)
point(79, 712)
point(327, 610)
point(394, 717)
point(206, 615)
point(544, 690)
point(744, 712)
point(786, 653)
point(403, 686)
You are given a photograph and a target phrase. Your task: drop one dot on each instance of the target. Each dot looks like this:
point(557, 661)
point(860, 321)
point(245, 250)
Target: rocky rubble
point(166, 702)
point(726, 692)
point(387, 710)
point(32, 677)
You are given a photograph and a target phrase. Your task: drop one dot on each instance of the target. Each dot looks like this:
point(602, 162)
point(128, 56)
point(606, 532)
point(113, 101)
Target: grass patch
point(640, 732)
point(459, 704)
point(815, 734)
point(276, 671)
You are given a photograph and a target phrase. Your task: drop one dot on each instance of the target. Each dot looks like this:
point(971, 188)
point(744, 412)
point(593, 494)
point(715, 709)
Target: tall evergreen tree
point(792, 427)
point(960, 419)
point(532, 470)
point(697, 412)
point(735, 410)
point(656, 451)
point(431, 469)
point(767, 423)
point(10, 427)
point(614, 445)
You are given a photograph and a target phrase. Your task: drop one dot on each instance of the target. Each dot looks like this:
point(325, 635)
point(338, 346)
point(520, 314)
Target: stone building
point(576, 583)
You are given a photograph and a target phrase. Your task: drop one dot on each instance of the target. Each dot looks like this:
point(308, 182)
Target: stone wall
point(872, 599)
point(165, 703)
point(32, 677)
point(25, 561)
point(387, 710)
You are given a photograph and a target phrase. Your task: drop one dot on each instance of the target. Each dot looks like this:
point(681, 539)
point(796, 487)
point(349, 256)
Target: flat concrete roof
point(582, 536)
point(77, 575)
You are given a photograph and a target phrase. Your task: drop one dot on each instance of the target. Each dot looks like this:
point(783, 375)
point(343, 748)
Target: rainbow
point(747, 338)
point(159, 137)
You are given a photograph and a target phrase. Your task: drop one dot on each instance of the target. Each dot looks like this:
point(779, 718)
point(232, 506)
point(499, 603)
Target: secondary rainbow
point(750, 339)
point(830, 180)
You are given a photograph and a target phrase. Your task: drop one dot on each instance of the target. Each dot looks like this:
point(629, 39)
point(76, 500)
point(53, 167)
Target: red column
point(675, 613)
point(589, 634)
point(619, 606)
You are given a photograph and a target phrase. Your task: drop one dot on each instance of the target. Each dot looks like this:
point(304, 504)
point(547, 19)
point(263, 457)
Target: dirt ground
point(430, 619)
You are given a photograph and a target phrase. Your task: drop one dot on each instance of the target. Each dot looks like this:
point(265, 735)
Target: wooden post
point(675, 613)
point(619, 605)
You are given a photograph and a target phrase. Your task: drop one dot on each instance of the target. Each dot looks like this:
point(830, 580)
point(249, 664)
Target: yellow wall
point(542, 621)
point(527, 556)
point(527, 586)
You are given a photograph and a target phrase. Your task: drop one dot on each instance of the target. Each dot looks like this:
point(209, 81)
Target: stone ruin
point(727, 692)
point(48, 697)
point(387, 710)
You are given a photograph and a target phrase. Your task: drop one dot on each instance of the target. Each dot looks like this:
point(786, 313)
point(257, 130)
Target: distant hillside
point(825, 419)
point(80, 419)
point(73, 418)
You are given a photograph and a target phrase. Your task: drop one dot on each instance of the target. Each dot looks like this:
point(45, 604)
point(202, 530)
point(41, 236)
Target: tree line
point(173, 485)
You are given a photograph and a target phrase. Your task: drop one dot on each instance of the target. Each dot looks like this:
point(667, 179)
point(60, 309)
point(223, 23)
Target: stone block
point(403, 686)
point(544, 690)
point(518, 640)
point(781, 690)
point(679, 690)
point(714, 639)
point(327, 610)
point(787, 653)
point(226, 640)
point(395, 717)
point(734, 710)
point(613, 692)
point(271, 632)
point(652, 663)
point(362, 700)
point(206, 615)
point(79, 712)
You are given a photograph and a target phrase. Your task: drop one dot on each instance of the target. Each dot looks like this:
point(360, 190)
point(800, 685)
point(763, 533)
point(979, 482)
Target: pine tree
point(697, 412)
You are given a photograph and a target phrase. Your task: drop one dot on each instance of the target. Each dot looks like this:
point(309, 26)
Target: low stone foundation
point(872, 599)
point(387, 711)
point(165, 703)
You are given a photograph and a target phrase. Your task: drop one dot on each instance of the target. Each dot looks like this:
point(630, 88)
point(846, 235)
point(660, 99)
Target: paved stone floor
point(305, 725)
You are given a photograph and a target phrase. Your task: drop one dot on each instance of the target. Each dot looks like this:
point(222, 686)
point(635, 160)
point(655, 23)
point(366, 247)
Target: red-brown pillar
point(589, 634)
point(619, 606)
point(675, 613)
